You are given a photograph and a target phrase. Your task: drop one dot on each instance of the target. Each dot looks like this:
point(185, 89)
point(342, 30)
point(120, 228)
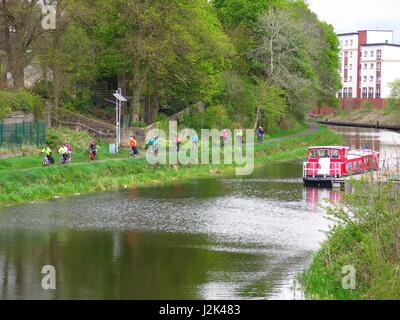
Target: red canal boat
point(328, 163)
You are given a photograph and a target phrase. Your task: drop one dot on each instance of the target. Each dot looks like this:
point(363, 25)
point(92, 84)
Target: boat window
point(335, 154)
point(350, 167)
point(324, 153)
point(313, 154)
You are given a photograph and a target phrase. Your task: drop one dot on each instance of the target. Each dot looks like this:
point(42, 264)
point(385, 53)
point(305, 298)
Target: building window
point(365, 78)
point(372, 53)
point(346, 54)
point(350, 79)
point(371, 93)
point(351, 54)
point(379, 54)
point(365, 53)
point(346, 43)
point(350, 93)
point(378, 80)
point(351, 42)
point(378, 66)
point(345, 79)
point(378, 93)
point(364, 92)
point(371, 78)
point(372, 66)
point(345, 93)
point(350, 67)
point(365, 66)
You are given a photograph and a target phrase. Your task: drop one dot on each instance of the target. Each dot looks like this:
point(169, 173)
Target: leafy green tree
point(176, 48)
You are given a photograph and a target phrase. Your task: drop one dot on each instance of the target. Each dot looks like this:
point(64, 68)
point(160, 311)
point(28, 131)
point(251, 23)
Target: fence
point(99, 129)
point(15, 135)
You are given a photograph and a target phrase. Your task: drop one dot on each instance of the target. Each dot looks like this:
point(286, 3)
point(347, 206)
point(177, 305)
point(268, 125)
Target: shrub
point(21, 100)
point(79, 140)
point(366, 106)
point(215, 117)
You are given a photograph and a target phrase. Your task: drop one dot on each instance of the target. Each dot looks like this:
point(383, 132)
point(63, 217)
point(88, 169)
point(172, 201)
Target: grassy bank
point(366, 116)
point(21, 182)
point(366, 236)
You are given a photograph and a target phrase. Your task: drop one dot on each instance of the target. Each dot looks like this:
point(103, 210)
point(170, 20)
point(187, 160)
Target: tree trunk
point(136, 92)
point(56, 67)
point(154, 108)
point(18, 58)
point(135, 107)
point(257, 117)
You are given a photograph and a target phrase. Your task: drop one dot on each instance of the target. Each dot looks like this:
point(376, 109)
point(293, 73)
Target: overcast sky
point(354, 15)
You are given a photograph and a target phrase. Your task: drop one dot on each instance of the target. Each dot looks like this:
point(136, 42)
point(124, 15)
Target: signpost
point(119, 99)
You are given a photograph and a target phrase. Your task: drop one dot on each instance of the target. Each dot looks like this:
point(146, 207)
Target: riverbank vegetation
point(23, 180)
point(168, 55)
point(367, 236)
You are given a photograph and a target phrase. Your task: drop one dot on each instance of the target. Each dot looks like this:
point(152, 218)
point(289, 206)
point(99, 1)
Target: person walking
point(93, 150)
point(224, 137)
point(260, 134)
point(195, 141)
point(153, 143)
point(239, 136)
point(178, 141)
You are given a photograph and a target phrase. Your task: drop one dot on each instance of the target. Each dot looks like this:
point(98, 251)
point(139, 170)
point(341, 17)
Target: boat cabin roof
point(328, 147)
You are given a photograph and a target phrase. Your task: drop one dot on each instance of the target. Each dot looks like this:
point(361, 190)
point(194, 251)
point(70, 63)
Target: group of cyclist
point(65, 152)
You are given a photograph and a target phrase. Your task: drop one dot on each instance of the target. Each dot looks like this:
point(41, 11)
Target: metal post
point(116, 124)
point(119, 117)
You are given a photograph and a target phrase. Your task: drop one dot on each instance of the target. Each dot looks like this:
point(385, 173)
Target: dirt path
point(312, 128)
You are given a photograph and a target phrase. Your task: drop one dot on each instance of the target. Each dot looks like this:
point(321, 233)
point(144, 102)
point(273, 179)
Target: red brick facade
point(349, 104)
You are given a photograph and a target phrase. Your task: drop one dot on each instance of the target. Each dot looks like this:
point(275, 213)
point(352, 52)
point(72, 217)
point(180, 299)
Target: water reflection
point(317, 197)
point(385, 141)
point(238, 238)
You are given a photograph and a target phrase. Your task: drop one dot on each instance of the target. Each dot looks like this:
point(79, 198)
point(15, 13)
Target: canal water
point(236, 238)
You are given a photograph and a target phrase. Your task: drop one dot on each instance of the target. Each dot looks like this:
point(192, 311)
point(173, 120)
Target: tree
point(175, 48)
point(20, 25)
point(280, 58)
point(395, 89)
point(67, 51)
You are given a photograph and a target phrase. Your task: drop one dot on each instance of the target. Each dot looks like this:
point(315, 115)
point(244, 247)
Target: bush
point(21, 100)
point(79, 140)
point(44, 89)
point(214, 117)
point(366, 106)
point(366, 236)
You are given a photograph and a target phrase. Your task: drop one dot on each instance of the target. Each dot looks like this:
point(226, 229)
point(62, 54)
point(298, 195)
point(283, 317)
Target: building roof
point(347, 34)
point(355, 33)
point(380, 44)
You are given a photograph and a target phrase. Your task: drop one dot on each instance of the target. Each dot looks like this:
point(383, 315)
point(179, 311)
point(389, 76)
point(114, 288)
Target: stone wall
point(18, 117)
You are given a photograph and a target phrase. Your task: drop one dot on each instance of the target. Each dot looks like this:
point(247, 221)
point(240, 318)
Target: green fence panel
point(16, 135)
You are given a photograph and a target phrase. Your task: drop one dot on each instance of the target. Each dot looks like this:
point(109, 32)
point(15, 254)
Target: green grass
point(278, 133)
point(22, 180)
point(366, 236)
